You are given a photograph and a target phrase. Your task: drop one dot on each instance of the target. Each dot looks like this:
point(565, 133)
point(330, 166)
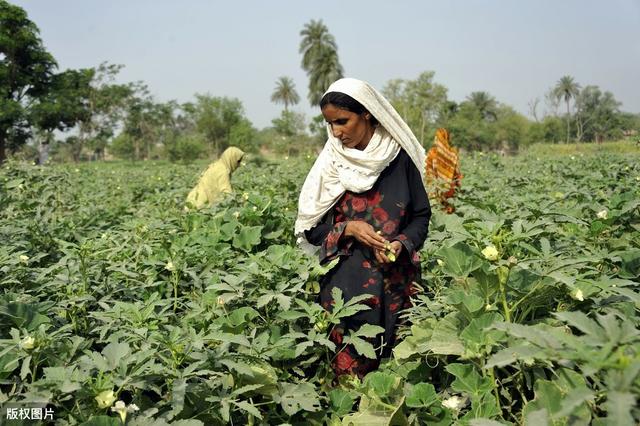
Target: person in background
point(442, 170)
point(216, 180)
point(364, 202)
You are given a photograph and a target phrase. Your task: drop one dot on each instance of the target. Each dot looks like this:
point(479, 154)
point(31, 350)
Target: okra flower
point(122, 409)
point(27, 343)
point(170, 266)
point(602, 214)
point(490, 253)
point(454, 403)
point(578, 295)
point(24, 258)
point(105, 399)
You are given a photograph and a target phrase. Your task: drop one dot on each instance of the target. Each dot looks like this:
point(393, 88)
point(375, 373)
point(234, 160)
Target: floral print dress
point(398, 207)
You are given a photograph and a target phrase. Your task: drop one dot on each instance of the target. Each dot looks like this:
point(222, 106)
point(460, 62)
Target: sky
point(515, 50)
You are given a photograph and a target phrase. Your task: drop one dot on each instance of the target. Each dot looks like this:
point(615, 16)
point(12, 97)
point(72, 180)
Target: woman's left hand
point(381, 255)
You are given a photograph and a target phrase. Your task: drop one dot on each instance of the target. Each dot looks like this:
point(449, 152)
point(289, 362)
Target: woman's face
point(353, 130)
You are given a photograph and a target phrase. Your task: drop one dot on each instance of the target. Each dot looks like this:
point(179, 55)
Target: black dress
point(397, 205)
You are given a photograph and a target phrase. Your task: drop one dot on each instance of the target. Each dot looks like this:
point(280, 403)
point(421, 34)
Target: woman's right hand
point(364, 233)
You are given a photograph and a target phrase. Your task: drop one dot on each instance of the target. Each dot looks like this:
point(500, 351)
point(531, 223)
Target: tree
point(597, 114)
point(566, 89)
point(107, 102)
point(422, 103)
point(215, 119)
point(319, 59)
point(26, 69)
point(485, 104)
point(64, 104)
point(285, 93)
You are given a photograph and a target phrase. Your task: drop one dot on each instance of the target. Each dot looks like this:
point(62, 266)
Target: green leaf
point(485, 422)
point(444, 340)
point(341, 401)
point(361, 346)
point(22, 315)
point(115, 353)
point(583, 323)
point(296, 397)
point(522, 280)
point(478, 339)
point(421, 395)
point(247, 237)
point(372, 414)
point(630, 264)
point(459, 260)
point(381, 383)
point(249, 408)
point(619, 406)
point(102, 421)
point(368, 330)
point(178, 392)
point(469, 381)
point(537, 418)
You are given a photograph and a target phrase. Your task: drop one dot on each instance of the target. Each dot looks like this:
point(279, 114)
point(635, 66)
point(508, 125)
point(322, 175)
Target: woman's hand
point(395, 247)
point(365, 234)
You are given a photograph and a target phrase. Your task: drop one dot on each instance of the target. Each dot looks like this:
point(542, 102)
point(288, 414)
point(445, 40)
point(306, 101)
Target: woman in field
point(442, 166)
point(216, 180)
point(364, 201)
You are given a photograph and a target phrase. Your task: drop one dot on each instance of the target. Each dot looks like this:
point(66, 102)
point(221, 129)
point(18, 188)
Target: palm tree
point(319, 58)
point(566, 89)
point(285, 93)
point(485, 104)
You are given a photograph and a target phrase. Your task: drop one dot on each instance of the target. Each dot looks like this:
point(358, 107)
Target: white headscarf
point(338, 169)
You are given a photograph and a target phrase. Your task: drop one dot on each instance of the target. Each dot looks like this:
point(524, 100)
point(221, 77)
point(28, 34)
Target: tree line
point(83, 114)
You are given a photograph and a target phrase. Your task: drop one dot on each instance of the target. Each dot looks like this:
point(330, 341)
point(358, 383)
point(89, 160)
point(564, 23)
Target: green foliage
point(186, 148)
point(422, 103)
point(597, 115)
point(26, 69)
point(215, 117)
point(209, 316)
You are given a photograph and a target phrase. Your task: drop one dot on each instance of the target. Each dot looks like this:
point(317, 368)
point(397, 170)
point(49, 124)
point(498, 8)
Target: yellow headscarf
point(216, 180)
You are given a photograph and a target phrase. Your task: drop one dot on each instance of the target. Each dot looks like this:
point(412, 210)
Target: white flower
point(236, 214)
point(24, 258)
point(105, 399)
point(490, 253)
point(602, 214)
point(104, 235)
point(121, 408)
point(255, 208)
point(578, 295)
point(27, 343)
point(170, 266)
point(220, 301)
point(440, 262)
point(488, 307)
point(77, 170)
point(454, 403)
point(286, 157)
point(245, 195)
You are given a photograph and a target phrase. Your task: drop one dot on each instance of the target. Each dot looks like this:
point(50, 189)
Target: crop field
point(111, 292)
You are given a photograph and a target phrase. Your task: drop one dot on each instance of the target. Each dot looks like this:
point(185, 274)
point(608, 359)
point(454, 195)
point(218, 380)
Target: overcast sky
point(515, 50)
